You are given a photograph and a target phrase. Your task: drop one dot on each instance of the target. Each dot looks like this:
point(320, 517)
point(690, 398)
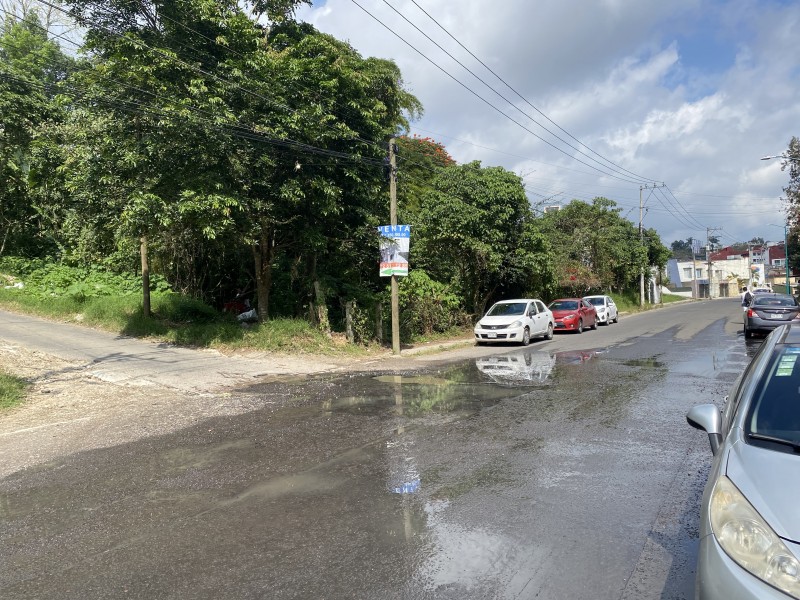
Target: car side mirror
point(708, 418)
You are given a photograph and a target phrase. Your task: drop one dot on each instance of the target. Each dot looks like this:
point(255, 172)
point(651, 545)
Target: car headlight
point(601, 310)
point(516, 324)
point(749, 541)
point(569, 317)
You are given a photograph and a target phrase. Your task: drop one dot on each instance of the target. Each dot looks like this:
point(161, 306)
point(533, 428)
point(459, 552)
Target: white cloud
point(689, 92)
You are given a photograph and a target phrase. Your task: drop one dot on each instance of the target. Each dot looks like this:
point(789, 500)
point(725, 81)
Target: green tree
point(418, 161)
point(473, 233)
point(30, 67)
point(595, 248)
point(792, 191)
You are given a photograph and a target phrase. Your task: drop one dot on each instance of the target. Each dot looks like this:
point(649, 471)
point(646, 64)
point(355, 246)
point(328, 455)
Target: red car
point(573, 314)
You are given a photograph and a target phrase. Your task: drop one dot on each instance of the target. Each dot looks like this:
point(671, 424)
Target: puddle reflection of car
point(749, 522)
point(514, 369)
point(574, 357)
point(515, 321)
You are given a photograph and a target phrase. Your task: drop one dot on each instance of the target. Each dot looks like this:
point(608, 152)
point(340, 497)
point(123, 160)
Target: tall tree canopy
point(473, 233)
point(595, 248)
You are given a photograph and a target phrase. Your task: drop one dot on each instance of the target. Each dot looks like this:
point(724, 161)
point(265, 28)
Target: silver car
point(749, 518)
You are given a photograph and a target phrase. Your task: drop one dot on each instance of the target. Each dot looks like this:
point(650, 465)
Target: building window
point(687, 273)
point(698, 273)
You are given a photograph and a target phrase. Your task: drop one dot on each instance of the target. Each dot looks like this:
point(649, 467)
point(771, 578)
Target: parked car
point(515, 321)
point(749, 522)
point(768, 311)
point(606, 309)
point(573, 314)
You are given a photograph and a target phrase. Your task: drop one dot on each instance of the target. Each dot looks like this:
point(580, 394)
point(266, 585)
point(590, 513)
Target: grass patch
point(12, 390)
point(182, 321)
point(668, 298)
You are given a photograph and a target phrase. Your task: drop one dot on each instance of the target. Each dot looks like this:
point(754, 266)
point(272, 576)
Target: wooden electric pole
point(641, 234)
point(393, 221)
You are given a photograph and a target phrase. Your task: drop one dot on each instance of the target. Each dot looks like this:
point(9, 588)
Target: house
point(731, 269)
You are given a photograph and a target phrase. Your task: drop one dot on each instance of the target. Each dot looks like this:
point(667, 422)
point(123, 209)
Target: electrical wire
point(485, 101)
point(617, 167)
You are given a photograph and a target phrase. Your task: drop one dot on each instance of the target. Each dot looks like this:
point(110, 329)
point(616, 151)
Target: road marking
point(27, 429)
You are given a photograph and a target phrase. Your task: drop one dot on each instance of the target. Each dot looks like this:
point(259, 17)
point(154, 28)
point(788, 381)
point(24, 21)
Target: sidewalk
point(124, 360)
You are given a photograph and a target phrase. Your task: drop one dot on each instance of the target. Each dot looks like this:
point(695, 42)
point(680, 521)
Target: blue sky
point(688, 92)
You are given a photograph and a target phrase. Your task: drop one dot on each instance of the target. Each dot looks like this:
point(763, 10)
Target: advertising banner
point(394, 245)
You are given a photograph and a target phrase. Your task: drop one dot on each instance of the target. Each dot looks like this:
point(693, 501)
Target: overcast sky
point(690, 93)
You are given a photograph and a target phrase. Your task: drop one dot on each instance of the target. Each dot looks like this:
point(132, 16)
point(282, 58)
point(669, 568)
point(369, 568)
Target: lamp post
point(782, 156)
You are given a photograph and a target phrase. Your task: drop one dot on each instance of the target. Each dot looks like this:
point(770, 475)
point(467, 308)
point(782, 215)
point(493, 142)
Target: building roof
point(724, 253)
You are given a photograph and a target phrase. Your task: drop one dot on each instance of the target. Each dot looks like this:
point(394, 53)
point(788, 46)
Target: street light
point(781, 156)
point(786, 258)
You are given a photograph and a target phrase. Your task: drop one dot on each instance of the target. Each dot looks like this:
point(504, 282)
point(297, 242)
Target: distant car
point(768, 311)
point(573, 314)
point(749, 522)
point(515, 321)
point(606, 309)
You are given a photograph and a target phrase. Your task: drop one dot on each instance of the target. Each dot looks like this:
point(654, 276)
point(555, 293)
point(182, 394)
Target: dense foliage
point(792, 191)
point(232, 158)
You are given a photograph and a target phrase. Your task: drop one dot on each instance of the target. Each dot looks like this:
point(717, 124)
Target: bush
point(427, 306)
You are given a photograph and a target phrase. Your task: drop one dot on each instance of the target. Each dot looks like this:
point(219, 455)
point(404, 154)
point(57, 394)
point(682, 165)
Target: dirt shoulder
point(70, 407)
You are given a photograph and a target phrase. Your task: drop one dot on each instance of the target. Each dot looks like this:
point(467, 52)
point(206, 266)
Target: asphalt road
point(561, 470)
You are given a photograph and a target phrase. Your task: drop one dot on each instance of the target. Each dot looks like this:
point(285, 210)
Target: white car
point(515, 321)
point(607, 312)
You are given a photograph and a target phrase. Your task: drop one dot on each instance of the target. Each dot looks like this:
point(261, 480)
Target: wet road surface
point(553, 471)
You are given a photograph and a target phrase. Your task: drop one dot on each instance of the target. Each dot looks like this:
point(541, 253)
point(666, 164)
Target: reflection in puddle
point(467, 559)
point(526, 368)
point(531, 367)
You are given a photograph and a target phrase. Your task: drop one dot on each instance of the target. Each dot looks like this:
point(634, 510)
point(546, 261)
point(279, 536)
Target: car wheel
point(748, 335)
point(549, 334)
point(616, 318)
point(526, 337)
point(594, 325)
point(580, 327)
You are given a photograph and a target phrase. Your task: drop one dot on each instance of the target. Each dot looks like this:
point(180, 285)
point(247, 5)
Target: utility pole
point(641, 234)
point(709, 230)
point(393, 221)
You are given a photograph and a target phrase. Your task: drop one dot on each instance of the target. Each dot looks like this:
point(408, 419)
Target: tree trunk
point(348, 318)
point(379, 321)
point(262, 257)
point(145, 278)
point(322, 308)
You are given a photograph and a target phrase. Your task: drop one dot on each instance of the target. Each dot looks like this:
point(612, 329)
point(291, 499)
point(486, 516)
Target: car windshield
point(597, 301)
point(563, 305)
point(774, 301)
point(775, 414)
point(507, 308)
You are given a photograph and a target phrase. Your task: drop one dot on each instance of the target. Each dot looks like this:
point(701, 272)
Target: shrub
point(427, 306)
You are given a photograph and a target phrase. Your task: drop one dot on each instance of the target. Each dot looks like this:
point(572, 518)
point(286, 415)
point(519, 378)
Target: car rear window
point(776, 410)
point(775, 301)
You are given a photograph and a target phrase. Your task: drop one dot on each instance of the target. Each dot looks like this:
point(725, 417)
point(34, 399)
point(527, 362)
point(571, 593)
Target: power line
point(503, 81)
point(485, 101)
